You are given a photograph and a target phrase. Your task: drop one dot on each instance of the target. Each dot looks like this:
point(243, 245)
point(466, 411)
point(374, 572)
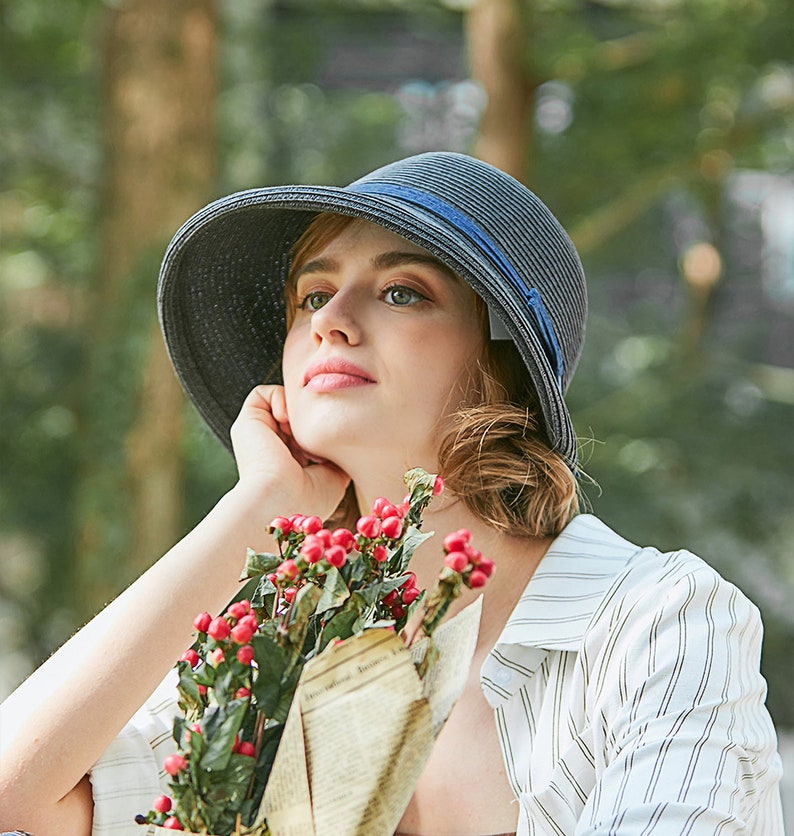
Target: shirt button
point(503, 676)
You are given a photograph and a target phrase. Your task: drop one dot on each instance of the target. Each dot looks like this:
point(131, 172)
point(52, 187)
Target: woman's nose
point(338, 319)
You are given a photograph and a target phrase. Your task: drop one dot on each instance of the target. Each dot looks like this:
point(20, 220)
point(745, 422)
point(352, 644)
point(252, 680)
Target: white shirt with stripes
point(626, 692)
point(628, 698)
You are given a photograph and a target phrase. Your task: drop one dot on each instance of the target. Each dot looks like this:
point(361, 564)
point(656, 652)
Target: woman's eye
point(400, 295)
point(314, 301)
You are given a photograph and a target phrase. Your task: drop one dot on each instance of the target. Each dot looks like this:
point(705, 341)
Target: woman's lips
point(331, 375)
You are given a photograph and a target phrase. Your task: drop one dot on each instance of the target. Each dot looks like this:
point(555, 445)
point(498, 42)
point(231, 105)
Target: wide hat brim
point(221, 287)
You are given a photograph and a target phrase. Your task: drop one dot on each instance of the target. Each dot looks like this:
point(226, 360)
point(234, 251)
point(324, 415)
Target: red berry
point(410, 595)
point(202, 621)
point(216, 657)
point(477, 578)
point(250, 620)
point(289, 594)
point(237, 610)
point(245, 654)
point(368, 527)
point(172, 823)
point(379, 504)
point(438, 486)
point(312, 549)
point(190, 656)
point(243, 693)
point(324, 536)
point(162, 804)
point(389, 598)
point(380, 554)
point(241, 634)
point(344, 538)
point(311, 525)
point(457, 561)
point(487, 566)
point(195, 727)
point(397, 611)
point(281, 523)
point(296, 521)
point(474, 555)
point(391, 511)
point(273, 578)
point(392, 527)
point(246, 748)
point(219, 629)
point(288, 569)
point(409, 581)
point(174, 764)
point(336, 556)
point(202, 689)
point(456, 542)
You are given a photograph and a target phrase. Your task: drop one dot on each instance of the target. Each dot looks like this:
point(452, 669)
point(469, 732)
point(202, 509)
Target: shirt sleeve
point(129, 775)
point(684, 743)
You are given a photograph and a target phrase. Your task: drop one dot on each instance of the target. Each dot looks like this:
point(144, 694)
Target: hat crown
point(514, 220)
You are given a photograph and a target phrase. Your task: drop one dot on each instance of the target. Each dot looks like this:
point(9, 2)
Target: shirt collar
point(557, 605)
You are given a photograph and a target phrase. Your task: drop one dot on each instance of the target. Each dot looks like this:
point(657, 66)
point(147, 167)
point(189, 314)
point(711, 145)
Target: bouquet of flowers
point(328, 602)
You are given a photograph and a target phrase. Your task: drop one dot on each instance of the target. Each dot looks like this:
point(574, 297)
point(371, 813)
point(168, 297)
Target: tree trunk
point(159, 95)
point(498, 41)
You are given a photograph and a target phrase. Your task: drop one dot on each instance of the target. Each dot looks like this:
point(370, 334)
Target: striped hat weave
point(221, 287)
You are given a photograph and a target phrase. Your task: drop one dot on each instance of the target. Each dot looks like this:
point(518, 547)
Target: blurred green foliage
point(648, 117)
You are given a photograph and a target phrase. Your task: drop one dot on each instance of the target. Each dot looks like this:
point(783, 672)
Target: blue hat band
point(544, 328)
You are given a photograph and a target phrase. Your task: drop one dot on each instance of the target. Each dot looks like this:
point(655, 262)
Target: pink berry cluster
point(224, 640)
point(231, 634)
point(312, 549)
point(461, 557)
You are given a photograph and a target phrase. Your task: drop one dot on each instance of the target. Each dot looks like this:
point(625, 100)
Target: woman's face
point(380, 350)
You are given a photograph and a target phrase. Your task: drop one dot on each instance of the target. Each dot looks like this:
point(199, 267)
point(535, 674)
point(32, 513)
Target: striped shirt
point(628, 698)
point(626, 692)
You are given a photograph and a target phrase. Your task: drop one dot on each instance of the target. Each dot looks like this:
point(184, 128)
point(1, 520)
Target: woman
point(436, 313)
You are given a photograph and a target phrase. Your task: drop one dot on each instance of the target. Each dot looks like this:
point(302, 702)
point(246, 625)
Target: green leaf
point(190, 701)
point(412, 539)
point(335, 592)
point(419, 483)
point(230, 791)
point(220, 729)
point(263, 595)
point(303, 607)
point(339, 627)
point(259, 564)
point(357, 568)
point(271, 659)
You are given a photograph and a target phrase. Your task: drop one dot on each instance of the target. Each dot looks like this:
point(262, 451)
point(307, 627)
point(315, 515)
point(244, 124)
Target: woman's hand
point(268, 455)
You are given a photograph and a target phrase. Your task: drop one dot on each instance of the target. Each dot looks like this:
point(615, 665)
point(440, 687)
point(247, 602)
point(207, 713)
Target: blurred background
point(661, 132)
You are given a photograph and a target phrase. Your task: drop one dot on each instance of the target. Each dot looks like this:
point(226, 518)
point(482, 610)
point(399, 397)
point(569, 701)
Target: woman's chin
point(324, 447)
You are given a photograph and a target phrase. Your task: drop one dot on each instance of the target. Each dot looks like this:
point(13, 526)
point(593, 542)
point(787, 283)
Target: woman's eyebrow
point(397, 258)
point(318, 265)
point(382, 261)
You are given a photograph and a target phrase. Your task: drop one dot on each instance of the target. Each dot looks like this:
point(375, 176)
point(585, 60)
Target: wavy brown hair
point(494, 454)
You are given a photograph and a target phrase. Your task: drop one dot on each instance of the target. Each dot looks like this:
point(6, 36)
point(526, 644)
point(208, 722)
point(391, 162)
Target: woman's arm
point(60, 720)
